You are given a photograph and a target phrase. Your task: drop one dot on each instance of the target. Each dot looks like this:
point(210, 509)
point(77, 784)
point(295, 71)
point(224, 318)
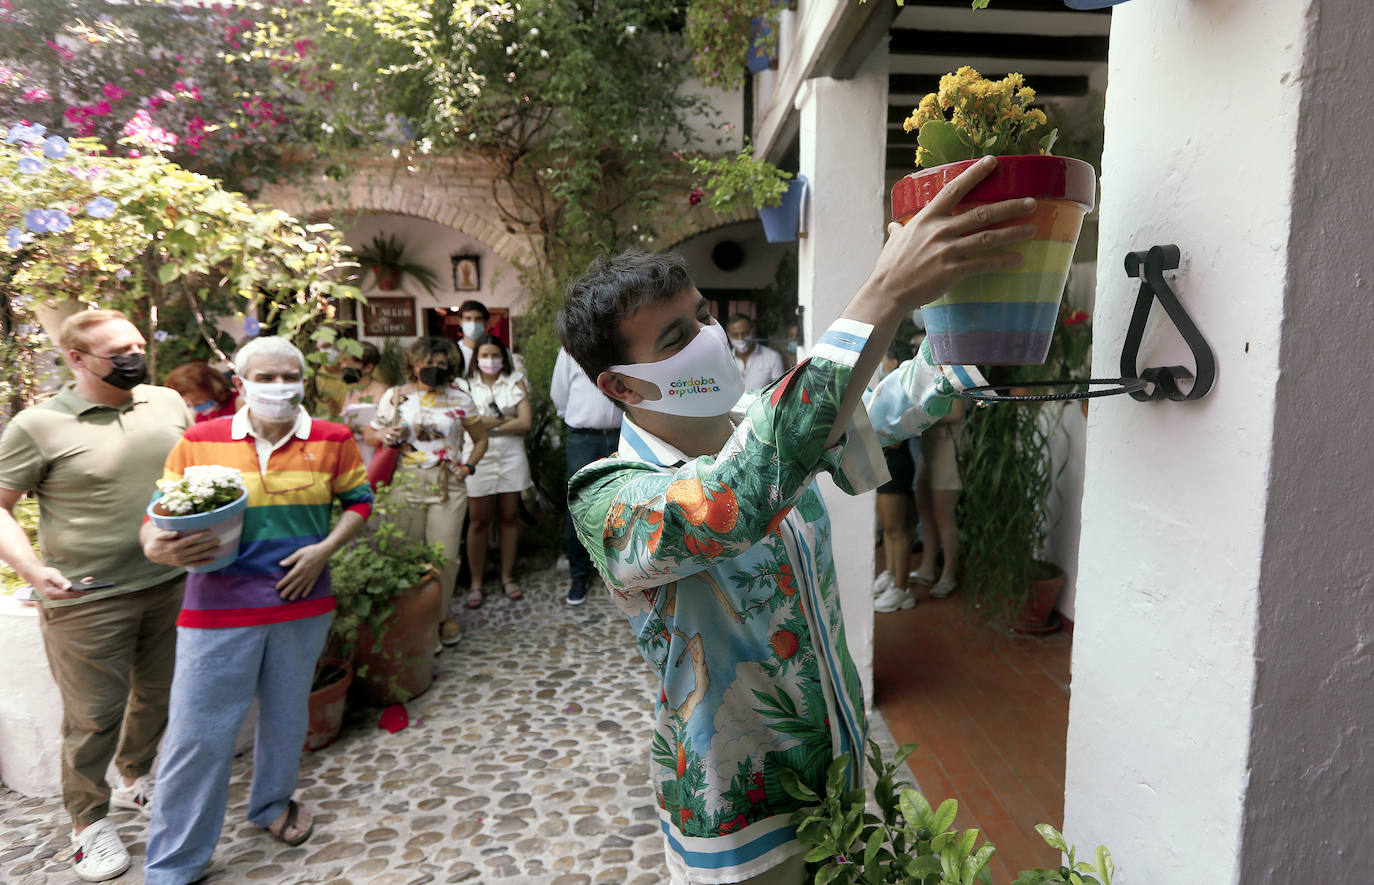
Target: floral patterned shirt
point(723, 565)
point(434, 420)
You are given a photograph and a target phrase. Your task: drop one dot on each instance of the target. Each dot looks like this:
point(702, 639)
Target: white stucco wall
point(30, 706)
point(843, 131)
point(431, 244)
point(759, 269)
point(1201, 124)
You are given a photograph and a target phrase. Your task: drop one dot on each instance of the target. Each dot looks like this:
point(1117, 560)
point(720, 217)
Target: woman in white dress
point(429, 419)
point(503, 404)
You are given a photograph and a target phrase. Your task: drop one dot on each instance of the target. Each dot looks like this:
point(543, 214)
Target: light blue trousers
point(218, 673)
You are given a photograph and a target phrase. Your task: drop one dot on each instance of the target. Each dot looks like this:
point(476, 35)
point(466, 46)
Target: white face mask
point(741, 345)
point(491, 366)
point(273, 402)
point(699, 381)
point(474, 328)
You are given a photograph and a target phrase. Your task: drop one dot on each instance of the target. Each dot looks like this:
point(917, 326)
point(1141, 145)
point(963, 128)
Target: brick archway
point(450, 190)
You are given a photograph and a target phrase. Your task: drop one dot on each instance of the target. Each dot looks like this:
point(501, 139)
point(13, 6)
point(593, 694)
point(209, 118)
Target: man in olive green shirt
point(92, 455)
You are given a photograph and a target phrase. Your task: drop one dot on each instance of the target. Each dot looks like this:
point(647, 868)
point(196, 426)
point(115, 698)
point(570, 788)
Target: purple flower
point(21, 134)
point(100, 207)
point(122, 274)
point(55, 147)
point(30, 165)
point(40, 221)
point(161, 335)
point(14, 238)
point(251, 326)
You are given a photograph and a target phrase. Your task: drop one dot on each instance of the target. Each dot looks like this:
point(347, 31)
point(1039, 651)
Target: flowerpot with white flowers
point(204, 498)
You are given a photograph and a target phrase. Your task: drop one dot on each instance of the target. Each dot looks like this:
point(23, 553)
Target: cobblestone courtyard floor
point(524, 763)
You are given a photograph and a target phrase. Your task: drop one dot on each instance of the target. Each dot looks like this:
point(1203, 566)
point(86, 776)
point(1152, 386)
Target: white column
point(843, 144)
point(1221, 710)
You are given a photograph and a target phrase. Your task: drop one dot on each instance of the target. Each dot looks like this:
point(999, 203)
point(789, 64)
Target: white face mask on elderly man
point(271, 401)
point(699, 381)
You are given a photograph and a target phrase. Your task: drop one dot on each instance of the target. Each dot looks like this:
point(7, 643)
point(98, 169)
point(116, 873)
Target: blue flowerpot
point(757, 62)
point(224, 523)
point(781, 222)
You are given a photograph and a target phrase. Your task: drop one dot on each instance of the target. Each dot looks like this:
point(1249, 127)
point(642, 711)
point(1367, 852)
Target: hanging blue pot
point(1091, 4)
point(781, 222)
point(756, 61)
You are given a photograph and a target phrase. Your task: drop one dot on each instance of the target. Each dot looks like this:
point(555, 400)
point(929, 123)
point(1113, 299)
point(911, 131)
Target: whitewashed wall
point(1201, 130)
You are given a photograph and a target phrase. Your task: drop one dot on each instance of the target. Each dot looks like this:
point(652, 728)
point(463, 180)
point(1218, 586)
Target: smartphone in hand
point(85, 585)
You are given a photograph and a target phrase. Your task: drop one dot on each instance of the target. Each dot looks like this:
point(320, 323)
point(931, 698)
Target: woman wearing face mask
point(207, 392)
point(503, 401)
point(365, 390)
point(429, 417)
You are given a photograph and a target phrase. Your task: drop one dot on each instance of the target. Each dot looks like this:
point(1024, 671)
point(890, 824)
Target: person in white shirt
point(759, 365)
point(473, 317)
point(593, 423)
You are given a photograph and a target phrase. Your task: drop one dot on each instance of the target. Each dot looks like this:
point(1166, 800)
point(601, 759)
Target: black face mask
point(127, 370)
point(352, 376)
point(434, 376)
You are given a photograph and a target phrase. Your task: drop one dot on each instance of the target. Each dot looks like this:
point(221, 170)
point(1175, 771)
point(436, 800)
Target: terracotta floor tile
point(991, 714)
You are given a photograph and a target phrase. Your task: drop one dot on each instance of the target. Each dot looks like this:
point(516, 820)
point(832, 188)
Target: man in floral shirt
point(711, 533)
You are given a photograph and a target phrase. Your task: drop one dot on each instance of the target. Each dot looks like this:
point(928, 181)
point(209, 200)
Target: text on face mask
point(687, 386)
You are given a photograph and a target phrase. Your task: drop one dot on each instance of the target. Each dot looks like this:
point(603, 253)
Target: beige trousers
point(437, 519)
point(112, 660)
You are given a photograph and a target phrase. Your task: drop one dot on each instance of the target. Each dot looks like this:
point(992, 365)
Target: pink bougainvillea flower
point(101, 109)
point(694, 197)
point(63, 53)
point(113, 92)
point(37, 94)
point(138, 71)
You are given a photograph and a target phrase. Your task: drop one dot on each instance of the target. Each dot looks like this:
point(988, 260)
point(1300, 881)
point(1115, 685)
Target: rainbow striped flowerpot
point(1007, 317)
point(225, 523)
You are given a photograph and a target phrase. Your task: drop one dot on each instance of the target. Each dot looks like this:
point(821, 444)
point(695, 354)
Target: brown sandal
point(512, 589)
point(289, 822)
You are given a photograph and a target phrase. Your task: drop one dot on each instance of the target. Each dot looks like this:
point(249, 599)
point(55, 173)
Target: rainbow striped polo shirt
point(289, 507)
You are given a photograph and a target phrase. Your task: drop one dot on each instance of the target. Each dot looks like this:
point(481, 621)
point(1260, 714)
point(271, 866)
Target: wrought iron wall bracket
point(1162, 381)
point(1149, 268)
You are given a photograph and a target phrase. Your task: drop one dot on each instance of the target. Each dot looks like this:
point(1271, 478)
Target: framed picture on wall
point(467, 273)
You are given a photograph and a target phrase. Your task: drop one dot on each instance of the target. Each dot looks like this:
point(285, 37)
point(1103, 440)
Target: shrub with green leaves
point(741, 180)
point(912, 843)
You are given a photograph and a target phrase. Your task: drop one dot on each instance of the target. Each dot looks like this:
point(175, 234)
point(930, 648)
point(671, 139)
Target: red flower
point(694, 197)
point(1077, 317)
point(739, 821)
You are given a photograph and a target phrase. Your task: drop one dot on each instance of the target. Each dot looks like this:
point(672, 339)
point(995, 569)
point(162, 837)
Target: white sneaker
point(100, 854)
point(893, 600)
point(138, 796)
point(882, 584)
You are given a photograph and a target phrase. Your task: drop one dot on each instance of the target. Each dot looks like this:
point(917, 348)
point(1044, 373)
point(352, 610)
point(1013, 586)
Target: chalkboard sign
point(389, 317)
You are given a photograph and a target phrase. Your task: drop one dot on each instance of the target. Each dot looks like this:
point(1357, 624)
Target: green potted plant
point(386, 592)
point(728, 37)
point(386, 258)
point(1006, 464)
point(912, 843)
point(743, 179)
point(1006, 317)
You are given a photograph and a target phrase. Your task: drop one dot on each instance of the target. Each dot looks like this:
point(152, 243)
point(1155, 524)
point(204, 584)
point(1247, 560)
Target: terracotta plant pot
point(1038, 615)
point(224, 523)
point(388, 278)
point(327, 702)
point(400, 665)
point(1008, 317)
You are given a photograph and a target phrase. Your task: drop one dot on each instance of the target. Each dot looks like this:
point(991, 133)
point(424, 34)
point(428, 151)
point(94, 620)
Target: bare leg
point(930, 536)
point(509, 504)
point(945, 501)
point(479, 523)
point(892, 517)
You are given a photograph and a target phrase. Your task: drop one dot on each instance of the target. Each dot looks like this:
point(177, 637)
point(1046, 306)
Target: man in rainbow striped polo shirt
point(256, 627)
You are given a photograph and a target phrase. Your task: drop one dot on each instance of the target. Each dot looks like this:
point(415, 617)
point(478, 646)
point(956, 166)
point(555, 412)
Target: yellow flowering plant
point(971, 117)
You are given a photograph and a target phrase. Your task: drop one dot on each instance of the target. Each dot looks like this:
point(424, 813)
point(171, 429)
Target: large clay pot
point(1038, 615)
point(327, 702)
point(400, 665)
point(1007, 317)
